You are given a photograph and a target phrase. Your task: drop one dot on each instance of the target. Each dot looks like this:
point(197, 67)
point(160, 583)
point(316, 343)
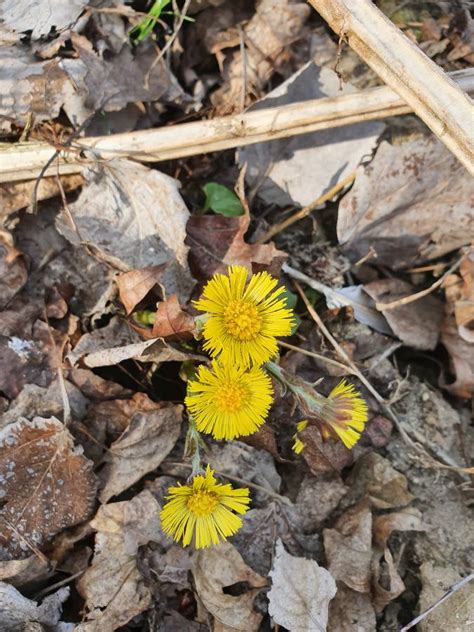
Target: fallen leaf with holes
point(375, 476)
point(113, 587)
point(412, 203)
point(152, 431)
point(135, 217)
point(348, 548)
point(417, 324)
point(172, 322)
point(351, 611)
point(217, 568)
point(134, 285)
point(387, 584)
point(301, 592)
point(48, 485)
point(19, 613)
point(266, 36)
point(216, 242)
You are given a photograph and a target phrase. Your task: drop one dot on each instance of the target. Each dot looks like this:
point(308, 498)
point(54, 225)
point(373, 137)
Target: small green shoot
point(222, 200)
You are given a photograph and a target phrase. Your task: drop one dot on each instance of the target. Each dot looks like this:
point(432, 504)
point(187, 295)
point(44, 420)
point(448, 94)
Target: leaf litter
point(97, 318)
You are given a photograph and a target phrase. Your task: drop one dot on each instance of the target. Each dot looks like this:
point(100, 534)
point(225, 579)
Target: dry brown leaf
point(301, 592)
point(417, 324)
point(351, 611)
point(387, 584)
point(151, 434)
point(274, 26)
point(13, 274)
point(135, 217)
point(172, 322)
point(221, 566)
point(462, 358)
point(460, 297)
point(413, 202)
point(216, 242)
point(112, 586)
point(95, 387)
point(457, 612)
point(134, 285)
point(264, 439)
point(154, 350)
point(324, 457)
point(348, 548)
point(374, 475)
point(408, 519)
point(48, 485)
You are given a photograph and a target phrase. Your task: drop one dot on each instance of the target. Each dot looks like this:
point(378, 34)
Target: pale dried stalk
point(403, 66)
point(23, 161)
point(307, 210)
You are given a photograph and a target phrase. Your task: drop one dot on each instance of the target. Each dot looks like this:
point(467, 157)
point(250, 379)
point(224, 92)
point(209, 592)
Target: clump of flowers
point(232, 398)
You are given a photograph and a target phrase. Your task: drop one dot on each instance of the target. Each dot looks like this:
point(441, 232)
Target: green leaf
point(291, 298)
point(222, 200)
point(145, 317)
point(143, 29)
point(296, 325)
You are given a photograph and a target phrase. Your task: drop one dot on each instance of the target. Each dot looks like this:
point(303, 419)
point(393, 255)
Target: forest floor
point(98, 271)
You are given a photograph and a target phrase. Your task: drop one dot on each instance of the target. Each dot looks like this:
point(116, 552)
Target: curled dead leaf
point(134, 285)
point(387, 584)
point(221, 566)
point(172, 322)
point(409, 519)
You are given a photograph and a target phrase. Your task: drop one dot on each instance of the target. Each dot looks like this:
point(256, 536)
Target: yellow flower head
point(298, 445)
point(345, 413)
point(229, 401)
point(205, 508)
point(244, 318)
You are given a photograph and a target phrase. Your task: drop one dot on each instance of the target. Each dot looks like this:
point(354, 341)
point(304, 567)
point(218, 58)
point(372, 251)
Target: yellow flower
point(298, 445)
point(345, 413)
point(204, 509)
point(229, 401)
point(244, 318)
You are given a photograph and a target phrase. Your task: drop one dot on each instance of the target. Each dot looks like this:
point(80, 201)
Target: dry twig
point(307, 210)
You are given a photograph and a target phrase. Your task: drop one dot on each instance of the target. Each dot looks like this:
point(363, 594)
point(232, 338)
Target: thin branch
point(406, 300)
point(453, 589)
point(307, 210)
point(317, 356)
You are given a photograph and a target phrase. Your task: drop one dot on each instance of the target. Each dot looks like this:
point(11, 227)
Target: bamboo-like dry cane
point(23, 161)
point(403, 66)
